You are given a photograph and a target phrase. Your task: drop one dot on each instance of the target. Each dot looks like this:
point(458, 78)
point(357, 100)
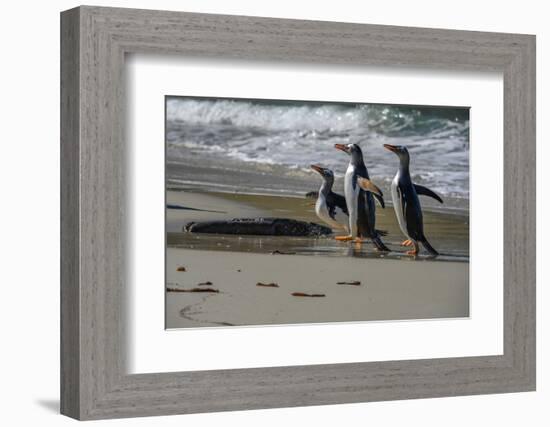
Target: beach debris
point(181, 268)
point(193, 290)
point(278, 252)
point(352, 283)
point(303, 294)
point(209, 283)
point(259, 227)
point(267, 285)
point(239, 270)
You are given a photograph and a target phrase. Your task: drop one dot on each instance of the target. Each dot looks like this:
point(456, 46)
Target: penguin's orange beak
point(341, 147)
point(317, 168)
point(390, 147)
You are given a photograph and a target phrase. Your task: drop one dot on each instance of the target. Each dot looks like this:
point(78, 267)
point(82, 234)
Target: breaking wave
point(297, 134)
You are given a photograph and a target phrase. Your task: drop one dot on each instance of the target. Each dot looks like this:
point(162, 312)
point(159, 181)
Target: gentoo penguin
point(406, 203)
point(331, 207)
point(359, 191)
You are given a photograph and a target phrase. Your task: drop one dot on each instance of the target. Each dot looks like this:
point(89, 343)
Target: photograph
point(282, 212)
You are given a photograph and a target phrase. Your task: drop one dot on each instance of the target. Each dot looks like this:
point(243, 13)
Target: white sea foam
point(297, 134)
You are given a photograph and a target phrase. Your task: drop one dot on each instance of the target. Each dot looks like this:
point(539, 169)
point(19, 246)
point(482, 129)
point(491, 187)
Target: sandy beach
point(393, 286)
point(389, 289)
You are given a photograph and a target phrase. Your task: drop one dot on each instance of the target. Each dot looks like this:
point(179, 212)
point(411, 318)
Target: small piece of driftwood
point(192, 290)
point(181, 269)
point(278, 252)
point(303, 294)
point(205, 284)
point(352, 283)
point(267, 285)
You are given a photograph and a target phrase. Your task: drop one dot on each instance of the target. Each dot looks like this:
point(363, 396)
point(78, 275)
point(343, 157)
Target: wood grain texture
point(70, 262)
point(94, 236)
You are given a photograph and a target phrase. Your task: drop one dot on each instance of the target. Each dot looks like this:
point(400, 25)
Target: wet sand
point(448, 233)
point(198, 172)
point(393, 286)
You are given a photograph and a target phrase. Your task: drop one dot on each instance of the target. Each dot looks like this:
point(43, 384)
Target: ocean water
point(292, 135)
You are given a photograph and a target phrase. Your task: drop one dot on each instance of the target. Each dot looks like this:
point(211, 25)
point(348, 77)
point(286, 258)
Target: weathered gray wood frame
point(94, 42)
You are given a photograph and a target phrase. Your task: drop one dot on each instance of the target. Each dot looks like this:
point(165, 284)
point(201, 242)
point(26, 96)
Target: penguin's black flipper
point(312, 195)
point(338, 200)
point(423, 191)
point(368, 185)
point(380, 200)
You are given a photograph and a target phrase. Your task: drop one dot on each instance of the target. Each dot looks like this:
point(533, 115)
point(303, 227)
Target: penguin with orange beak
point(330, 207)
point(407, 204)
point(360, 192)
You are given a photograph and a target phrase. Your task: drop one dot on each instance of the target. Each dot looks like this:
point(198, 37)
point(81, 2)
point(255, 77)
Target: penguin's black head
point(351, 149)
point(354, 152)
point(326, 173)
point(400, 150)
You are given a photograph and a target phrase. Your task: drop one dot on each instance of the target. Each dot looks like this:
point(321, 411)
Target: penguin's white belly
point(337, 223)
point(351, 195)
point(398, 206)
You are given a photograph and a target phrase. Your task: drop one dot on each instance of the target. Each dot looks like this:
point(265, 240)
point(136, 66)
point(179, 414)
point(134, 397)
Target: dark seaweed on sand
point(303, 294)
point(352, 283)
point(193, 290)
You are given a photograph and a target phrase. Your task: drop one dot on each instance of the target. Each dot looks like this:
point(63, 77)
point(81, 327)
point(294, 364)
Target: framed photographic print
point(262, 213)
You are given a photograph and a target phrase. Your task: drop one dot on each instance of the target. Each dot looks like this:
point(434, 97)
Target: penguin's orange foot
point(407, 242)
point(343, 238)
point(415, 250)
